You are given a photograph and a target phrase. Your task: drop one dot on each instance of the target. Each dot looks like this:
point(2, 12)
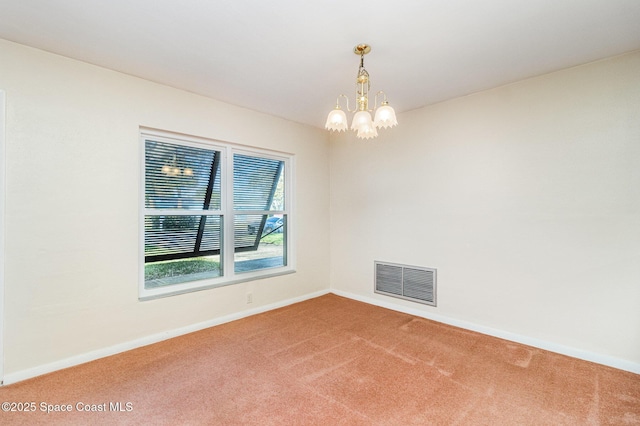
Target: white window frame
point(226, 211)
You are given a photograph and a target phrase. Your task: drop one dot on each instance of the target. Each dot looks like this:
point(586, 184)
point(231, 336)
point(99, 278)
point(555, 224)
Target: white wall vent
point(406, 282)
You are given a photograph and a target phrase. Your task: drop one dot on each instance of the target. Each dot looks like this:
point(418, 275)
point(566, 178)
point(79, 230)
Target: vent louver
point(406, 282)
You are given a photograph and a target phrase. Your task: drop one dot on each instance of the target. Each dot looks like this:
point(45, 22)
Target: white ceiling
point(291, 58)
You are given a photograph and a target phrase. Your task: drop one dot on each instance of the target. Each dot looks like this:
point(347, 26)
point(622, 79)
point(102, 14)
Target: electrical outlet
point(249, 298)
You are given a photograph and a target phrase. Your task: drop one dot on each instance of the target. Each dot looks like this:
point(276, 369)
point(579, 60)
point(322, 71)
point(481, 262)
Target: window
point(213, 214)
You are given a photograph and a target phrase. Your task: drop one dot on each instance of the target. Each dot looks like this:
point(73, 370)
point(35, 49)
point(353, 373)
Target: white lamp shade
point(337, 120)
point(367, 132)
point(362, 119)
point(385, 117)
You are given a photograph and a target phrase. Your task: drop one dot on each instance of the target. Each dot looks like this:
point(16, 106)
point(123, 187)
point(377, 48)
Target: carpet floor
point(330, 361)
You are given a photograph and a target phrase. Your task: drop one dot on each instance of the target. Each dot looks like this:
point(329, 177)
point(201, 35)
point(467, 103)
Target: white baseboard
point(144, 341)
point(618, 363)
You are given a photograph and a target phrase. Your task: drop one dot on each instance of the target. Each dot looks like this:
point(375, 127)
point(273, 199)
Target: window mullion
point(228, 237)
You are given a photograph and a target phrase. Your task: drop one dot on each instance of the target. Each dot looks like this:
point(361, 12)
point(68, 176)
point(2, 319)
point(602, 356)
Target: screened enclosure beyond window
point(212, 214)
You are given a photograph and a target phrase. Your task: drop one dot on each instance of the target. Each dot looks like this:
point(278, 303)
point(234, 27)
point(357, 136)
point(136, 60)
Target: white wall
point(73, 170)
point(525, 197)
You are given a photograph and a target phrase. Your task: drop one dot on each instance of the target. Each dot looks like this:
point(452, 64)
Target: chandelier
point(362, 123)
point(172, 169)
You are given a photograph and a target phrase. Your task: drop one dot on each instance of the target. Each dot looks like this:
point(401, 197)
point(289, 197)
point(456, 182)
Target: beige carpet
point(332, 361)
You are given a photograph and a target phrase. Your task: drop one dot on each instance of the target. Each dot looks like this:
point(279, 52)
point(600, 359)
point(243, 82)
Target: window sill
point(243, 277)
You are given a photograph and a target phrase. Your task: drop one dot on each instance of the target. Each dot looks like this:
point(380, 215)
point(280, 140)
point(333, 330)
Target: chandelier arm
point(347, 98)
point(384, 101)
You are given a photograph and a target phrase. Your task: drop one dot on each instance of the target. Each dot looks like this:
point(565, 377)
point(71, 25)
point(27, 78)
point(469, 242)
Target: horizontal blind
point(254, 181)
point(181, 177)
point(173, 235)
point(177, 176)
